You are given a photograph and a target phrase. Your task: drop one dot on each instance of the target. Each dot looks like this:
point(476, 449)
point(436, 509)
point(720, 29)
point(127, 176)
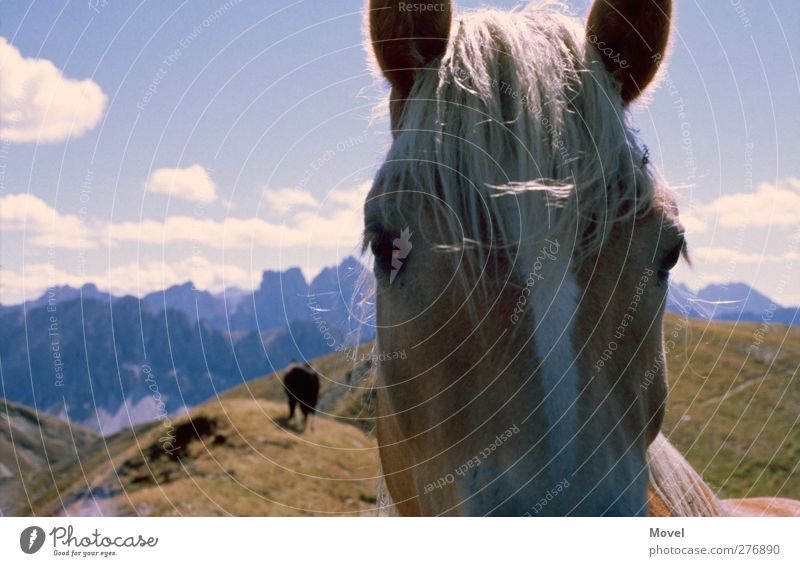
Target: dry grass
point(346, 388)
point(734, 408)
point(249, 462)
point(733, 411)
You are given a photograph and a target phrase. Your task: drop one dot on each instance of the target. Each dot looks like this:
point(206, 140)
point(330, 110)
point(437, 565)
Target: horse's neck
point(676, 489)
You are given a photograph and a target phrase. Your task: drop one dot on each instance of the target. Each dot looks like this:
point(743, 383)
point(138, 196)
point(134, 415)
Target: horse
point(301, 384)
point(531, 292)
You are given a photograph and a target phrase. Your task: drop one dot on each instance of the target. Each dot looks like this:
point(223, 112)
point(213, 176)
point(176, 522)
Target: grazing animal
point(301, 384)
point(532, 297)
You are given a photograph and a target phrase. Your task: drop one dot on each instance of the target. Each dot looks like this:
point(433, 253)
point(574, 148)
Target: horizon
point(308, 279)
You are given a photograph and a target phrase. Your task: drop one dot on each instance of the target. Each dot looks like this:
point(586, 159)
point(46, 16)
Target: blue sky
point(167, 141)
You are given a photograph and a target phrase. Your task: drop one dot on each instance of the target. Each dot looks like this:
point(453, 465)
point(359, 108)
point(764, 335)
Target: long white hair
point(520, 113)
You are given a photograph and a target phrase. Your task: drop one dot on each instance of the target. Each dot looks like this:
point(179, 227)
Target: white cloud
point(692, 223)
point(229, 233)
point(336, 224)
point(43, 225)
point(134, 278)
point(138, 279)
point(310, 229)
point(32, 282)
point(719, 255)
point(352, 198)
point(190, 183)
point(39, 104)
point(771, 205)
point(286, 199)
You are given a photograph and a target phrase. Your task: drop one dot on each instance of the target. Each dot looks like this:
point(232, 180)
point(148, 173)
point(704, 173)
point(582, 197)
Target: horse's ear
point(630, 36)
point(406, 36)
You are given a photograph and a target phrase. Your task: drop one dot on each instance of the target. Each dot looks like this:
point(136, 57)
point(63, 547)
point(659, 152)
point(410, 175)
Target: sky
point(146, 144)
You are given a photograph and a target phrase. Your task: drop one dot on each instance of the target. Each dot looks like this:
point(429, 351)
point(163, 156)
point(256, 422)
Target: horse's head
point(522, 246)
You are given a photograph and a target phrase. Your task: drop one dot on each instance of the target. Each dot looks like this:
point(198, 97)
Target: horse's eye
point(670, 260)
point(381, 245)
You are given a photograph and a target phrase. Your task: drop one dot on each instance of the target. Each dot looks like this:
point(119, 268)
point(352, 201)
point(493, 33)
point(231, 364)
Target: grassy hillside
point(238, 456)
point(35, 447)
point(346, 388)
point(734, 405)
point(30, 440)
point(235, 457)
point(733, 410)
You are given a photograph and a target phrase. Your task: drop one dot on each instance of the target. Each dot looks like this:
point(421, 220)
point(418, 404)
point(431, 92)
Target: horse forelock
point(518, 132)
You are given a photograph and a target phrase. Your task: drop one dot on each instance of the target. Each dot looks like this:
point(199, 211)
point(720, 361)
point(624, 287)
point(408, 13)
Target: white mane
point(678, 485)
point(520, 129)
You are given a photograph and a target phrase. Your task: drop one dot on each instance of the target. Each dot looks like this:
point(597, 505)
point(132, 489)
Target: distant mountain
point(335, 299)
point(682, 300)
point(331, 300)
point(110, 365)
point(281, 298)
point(733, 298)
point(195, 303)
point(62, 293)
point(731, 302)
point(232, 296)
point(338, 296)
point(107, 361)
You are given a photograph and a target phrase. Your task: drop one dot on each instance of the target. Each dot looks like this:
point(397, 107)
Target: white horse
point(522, 248)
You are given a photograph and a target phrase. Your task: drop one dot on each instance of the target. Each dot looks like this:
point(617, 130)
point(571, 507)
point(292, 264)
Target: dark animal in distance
point(301, 384)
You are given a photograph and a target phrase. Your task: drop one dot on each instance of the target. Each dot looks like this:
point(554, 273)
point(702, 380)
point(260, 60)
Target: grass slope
point(733, 410)
point(734, 405)
point(35, 448)
point(346, 388)
point(30, 440)
point(235, 457)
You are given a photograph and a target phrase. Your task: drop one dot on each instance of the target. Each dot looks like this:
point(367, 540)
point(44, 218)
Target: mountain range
point(729, 302)
point(110, 362)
